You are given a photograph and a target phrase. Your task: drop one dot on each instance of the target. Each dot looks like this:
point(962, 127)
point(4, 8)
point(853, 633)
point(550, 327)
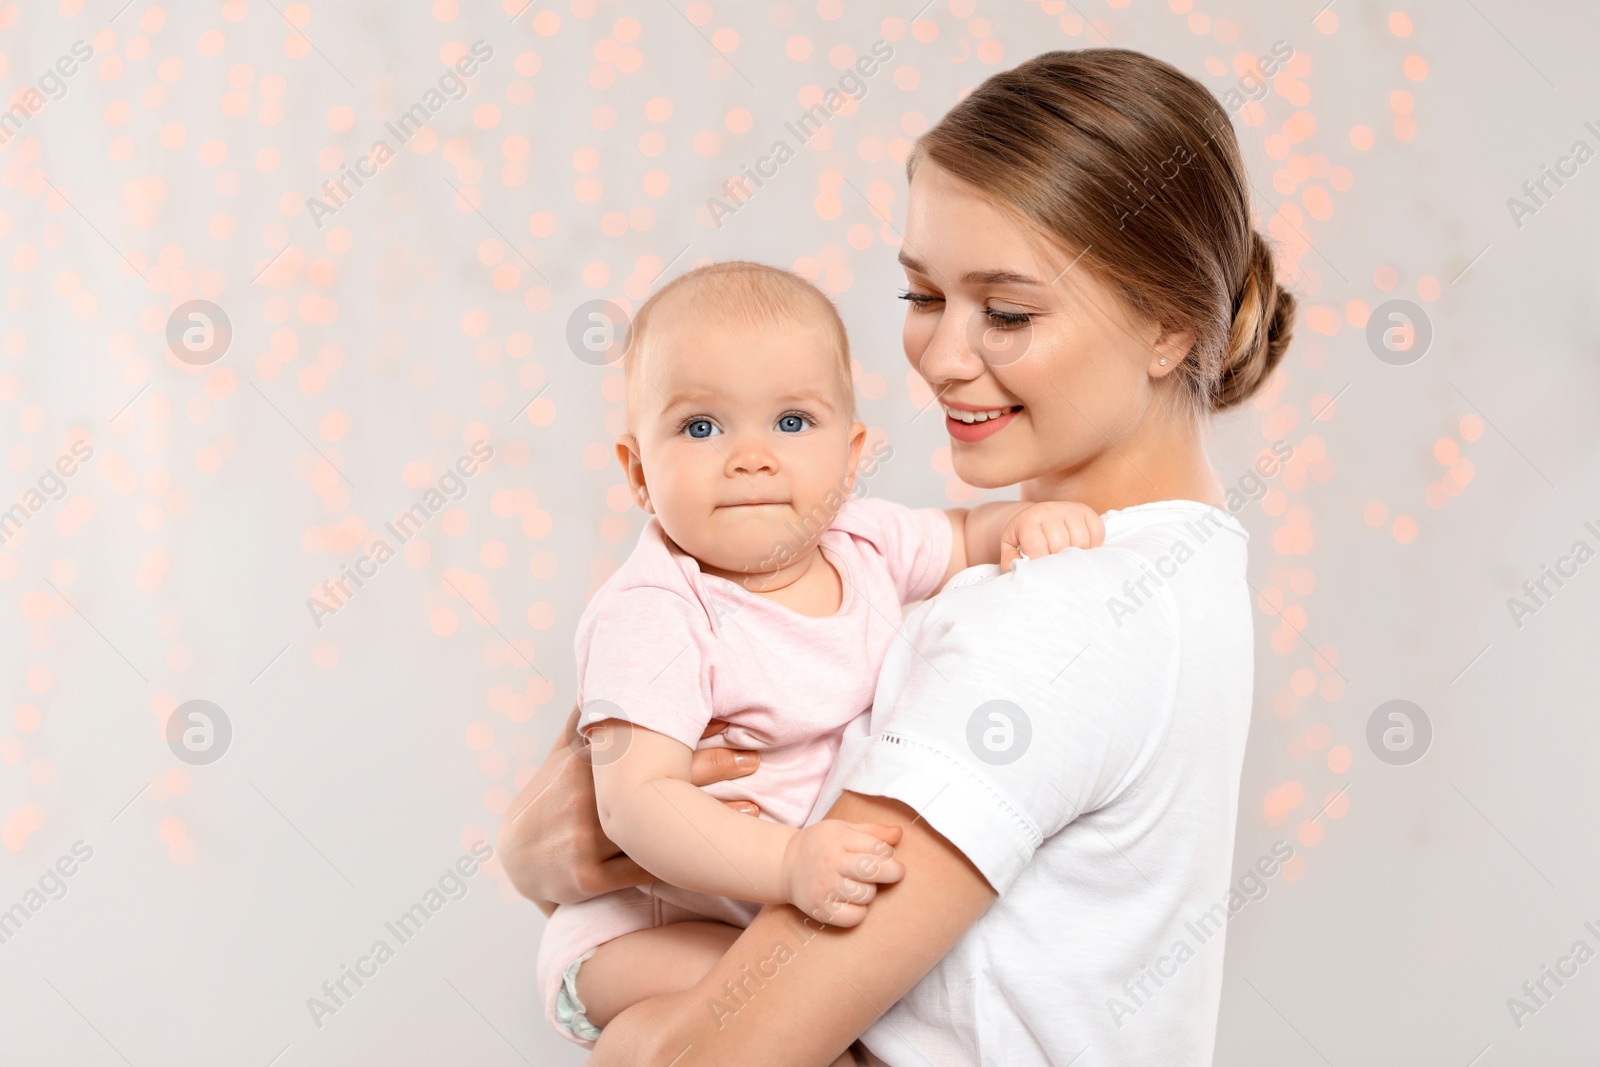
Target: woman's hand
point(550, 842)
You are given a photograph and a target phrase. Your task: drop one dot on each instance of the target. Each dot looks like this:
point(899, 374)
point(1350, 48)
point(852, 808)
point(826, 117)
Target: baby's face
point(743, 444)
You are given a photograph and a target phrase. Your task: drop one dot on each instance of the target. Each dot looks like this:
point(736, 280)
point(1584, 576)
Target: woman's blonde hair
point(1133, 164)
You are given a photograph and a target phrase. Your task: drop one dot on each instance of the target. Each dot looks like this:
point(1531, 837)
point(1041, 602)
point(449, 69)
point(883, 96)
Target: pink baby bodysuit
point(670, 648)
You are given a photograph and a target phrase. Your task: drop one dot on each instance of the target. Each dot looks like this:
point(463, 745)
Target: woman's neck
point(1165, 460)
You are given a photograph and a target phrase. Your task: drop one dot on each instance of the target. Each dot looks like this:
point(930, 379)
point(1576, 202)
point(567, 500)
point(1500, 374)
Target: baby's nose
point(751, 456)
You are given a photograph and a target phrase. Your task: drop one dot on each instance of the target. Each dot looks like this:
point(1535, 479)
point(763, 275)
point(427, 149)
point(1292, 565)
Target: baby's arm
point(683, 835)
point(999, 531)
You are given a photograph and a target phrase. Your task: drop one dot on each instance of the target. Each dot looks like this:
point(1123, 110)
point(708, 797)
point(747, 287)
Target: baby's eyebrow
point(680, 399)
point(704, 397)
point(819, 399)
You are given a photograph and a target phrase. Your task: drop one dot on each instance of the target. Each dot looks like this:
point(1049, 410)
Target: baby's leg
point(649, 963)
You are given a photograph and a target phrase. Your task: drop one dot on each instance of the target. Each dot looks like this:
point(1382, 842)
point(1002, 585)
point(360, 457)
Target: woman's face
point(1038, 366)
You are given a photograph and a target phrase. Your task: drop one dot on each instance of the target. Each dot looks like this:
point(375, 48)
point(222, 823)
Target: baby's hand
point(831, 869)
point(1047, 527)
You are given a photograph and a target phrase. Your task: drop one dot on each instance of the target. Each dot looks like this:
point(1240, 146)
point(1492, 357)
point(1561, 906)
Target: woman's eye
point(1006, 320)
point(1000, 320)
point(792, 423)
point(700, 428)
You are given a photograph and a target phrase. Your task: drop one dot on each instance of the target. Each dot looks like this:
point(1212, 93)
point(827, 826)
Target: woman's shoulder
point(1067, 597)
point(1128, 586)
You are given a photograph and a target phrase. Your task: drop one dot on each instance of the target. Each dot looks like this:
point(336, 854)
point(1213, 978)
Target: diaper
point(575, 931)
point(570, 1014)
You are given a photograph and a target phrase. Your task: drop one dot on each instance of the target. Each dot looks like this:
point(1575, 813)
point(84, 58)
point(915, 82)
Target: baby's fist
point(1048, 527)
point(831, 869)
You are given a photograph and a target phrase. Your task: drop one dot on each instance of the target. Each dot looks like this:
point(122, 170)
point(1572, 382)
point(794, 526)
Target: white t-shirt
point(1076, 728)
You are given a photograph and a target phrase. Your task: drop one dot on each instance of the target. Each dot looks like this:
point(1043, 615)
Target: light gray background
point(219, 898)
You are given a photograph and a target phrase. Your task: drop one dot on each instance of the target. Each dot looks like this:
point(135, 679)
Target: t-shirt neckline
point(1183, 506)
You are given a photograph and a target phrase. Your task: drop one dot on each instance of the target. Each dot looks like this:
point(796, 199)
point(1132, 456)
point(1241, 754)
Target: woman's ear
point(1171, 348)
point(633, 470)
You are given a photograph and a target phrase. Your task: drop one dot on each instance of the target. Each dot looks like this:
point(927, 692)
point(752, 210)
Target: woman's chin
point(992, 471)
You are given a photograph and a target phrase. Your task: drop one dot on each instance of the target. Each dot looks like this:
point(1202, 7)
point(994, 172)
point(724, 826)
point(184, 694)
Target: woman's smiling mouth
point(968, 424)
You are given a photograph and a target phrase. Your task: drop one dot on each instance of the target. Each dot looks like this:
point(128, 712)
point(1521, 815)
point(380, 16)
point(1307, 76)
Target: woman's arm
point(550, 841)
point(791, 992)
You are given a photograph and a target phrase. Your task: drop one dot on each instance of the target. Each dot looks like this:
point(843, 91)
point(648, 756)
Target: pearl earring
point(1163, 363)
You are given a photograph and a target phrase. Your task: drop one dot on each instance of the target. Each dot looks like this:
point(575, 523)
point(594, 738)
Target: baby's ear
point(633, 470)
point(858, 437)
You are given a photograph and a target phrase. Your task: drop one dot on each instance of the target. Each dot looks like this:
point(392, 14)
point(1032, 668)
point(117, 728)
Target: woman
point(1060, 745)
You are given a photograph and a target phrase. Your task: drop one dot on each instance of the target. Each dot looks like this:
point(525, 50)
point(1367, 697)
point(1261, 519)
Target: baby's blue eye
point(792, 423)
point(701, 428)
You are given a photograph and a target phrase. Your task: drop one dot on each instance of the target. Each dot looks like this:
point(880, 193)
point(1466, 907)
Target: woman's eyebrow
point(973, 277)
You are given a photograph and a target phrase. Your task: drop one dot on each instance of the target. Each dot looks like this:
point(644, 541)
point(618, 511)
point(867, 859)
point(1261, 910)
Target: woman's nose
point(949, 356)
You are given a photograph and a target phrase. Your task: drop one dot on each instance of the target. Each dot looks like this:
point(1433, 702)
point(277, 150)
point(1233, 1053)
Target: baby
point(763, 593)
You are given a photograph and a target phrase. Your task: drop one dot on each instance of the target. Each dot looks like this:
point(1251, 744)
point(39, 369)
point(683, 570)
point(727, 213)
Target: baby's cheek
point(676, 511)
point(826, 482)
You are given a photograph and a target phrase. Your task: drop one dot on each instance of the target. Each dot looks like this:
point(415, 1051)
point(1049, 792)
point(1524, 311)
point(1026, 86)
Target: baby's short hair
point(748, 294)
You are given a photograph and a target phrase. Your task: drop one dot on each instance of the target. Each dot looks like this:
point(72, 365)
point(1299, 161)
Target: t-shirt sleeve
point(644, 656)
point(1027, 703)
point(914, 542)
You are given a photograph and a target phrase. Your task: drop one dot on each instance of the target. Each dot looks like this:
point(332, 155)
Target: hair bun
point(1263, 319)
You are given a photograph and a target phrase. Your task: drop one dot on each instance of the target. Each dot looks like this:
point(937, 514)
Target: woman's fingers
point(709, 765)
point(619, 872)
